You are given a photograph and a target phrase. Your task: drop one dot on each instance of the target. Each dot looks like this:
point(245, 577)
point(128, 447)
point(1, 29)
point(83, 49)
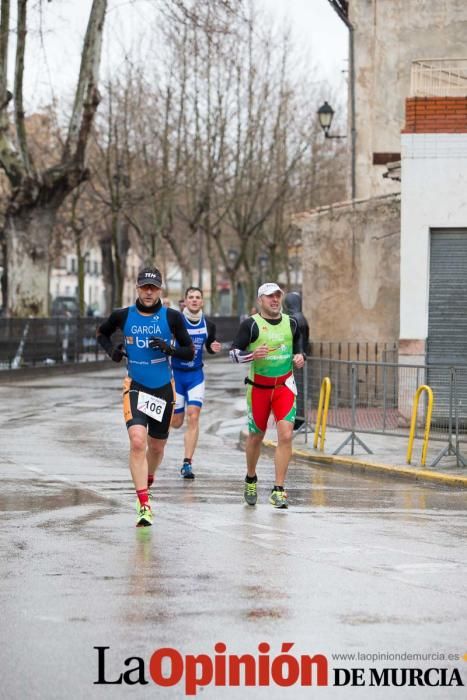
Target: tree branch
point(9, 160)
point(18, 89)
point(87, 96)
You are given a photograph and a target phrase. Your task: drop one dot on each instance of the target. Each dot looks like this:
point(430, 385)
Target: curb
point(380, 468)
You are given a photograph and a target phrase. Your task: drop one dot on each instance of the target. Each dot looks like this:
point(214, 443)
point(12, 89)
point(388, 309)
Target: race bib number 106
point(152, 406)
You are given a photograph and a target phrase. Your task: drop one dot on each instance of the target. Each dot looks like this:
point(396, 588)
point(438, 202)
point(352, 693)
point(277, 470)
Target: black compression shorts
point(161, 407)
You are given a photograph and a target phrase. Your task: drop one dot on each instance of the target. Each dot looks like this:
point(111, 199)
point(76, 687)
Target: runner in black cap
point(148, 395)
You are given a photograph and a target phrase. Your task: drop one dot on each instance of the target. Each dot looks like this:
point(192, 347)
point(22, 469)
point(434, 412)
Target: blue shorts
point(189, 389)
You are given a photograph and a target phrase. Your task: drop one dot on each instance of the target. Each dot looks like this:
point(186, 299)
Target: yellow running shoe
point(145, 517)
point(278, 499)
point(250, 493)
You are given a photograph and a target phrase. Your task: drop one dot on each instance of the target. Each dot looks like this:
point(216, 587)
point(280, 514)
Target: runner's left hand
point(160, 344)
point(298, 360)
point(216, 346)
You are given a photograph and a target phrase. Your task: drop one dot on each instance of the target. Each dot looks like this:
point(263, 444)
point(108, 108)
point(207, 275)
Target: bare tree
point(36, 194)
point(204, 137)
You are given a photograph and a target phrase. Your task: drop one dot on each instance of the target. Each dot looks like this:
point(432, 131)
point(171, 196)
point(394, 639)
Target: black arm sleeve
point(211, 336)
point(297, 336)
point(185, 349)
point(113, 323)
point(246, 334)
point(305, 336)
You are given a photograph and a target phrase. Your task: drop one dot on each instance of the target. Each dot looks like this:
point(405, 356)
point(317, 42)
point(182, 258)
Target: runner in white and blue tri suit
point(148, 329)
point(189, 375)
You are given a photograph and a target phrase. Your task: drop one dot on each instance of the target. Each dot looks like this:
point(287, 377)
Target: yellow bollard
point(322, 417)
point(413, 422)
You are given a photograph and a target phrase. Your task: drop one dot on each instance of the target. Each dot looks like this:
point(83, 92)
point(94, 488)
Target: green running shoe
point(145, 517)
point(250, 493)
point(278, 499)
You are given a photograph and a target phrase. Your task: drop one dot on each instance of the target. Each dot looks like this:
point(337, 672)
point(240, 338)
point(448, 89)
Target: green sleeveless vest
point(280, 342)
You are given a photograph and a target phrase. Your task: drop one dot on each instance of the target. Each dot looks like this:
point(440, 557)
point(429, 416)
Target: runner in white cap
point(271, 341)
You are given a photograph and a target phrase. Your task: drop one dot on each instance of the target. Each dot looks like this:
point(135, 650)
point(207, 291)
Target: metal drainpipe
point(353, 132)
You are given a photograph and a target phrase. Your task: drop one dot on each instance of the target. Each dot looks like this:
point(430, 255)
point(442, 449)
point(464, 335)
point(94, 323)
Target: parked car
point(65, 306)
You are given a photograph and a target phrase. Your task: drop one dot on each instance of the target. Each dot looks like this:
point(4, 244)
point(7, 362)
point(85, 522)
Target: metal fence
point(43, 341)
point(377, 397)
point(46, 341)
point(351, 350)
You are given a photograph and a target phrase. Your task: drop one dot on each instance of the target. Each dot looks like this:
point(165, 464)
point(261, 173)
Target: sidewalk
point(388, 456)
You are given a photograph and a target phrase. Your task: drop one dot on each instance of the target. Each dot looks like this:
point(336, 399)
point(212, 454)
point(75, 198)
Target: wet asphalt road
point(357, 564)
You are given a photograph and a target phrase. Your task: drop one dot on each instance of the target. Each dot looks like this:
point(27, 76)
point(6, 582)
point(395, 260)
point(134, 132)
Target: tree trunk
point(81, 274)
point(28, 235)
point(233, 292)
point(214, 290)
point(36, 196)
point(120, 248)
point(4, 281)
point(108, 273)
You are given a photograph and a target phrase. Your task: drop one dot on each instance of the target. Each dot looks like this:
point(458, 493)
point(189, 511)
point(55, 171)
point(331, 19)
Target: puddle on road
point(365, 619)
point(42, 497)
point(262, 613)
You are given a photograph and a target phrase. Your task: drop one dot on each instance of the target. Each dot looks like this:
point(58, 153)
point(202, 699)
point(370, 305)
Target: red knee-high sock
point(150, 480)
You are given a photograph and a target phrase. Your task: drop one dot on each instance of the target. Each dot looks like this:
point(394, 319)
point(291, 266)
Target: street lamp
point(325, 116)
point(232, 256)
point(263, 260)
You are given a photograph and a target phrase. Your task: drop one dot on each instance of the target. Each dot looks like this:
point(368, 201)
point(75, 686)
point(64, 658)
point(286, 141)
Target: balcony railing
point(439, 77)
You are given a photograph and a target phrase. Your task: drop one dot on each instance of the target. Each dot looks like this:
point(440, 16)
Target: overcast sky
point(53, 57)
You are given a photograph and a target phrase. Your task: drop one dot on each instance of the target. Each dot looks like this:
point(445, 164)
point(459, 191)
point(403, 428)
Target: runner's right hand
point(118, 353)
point(260, 352)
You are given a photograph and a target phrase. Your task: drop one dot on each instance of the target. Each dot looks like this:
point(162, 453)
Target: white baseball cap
point(269, 288)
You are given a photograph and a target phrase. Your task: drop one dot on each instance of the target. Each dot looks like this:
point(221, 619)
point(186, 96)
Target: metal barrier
point(47, 341)
point(352, 351)
point(413, 423)
point(322, 416)
point(376, 397)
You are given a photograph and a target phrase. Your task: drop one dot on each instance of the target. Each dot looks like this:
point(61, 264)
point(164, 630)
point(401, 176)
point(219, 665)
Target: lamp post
point(232, 257)
point(325, 117)
point(263, 260)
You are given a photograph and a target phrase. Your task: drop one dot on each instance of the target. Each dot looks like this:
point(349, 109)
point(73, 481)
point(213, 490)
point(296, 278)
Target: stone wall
point(351, 270)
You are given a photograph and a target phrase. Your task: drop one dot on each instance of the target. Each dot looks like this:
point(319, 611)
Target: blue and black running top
point(144, 363)
point(147, 366)
point(201, 333)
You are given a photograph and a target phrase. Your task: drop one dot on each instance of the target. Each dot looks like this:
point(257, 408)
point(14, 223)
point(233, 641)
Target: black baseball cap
point(150, 275)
